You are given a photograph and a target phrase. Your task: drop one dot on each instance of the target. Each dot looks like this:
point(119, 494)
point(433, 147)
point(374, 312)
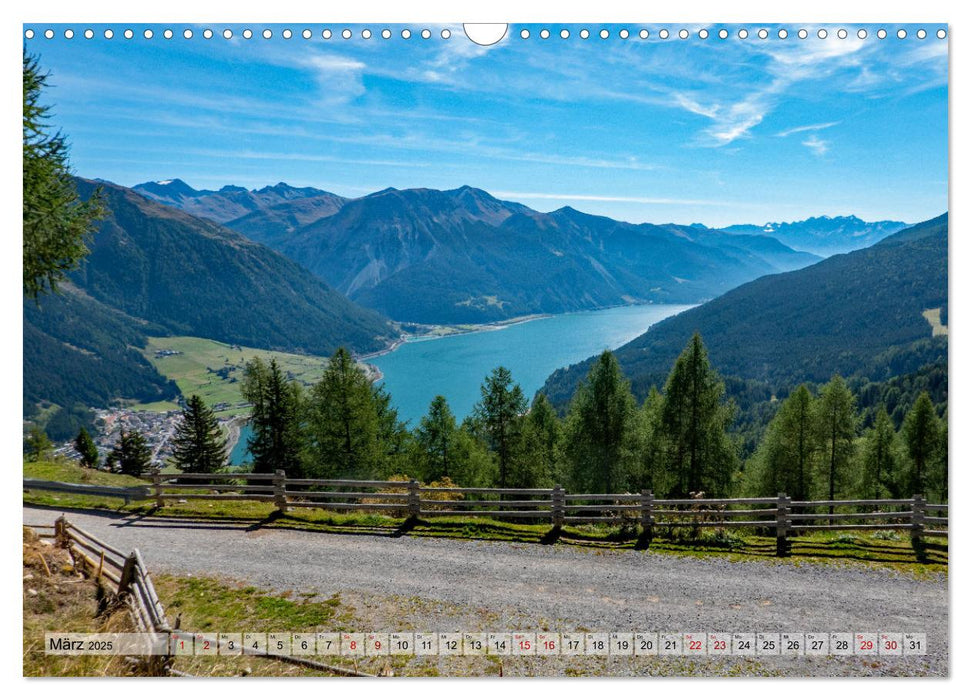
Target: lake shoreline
point(455, 367)
point(438, 331)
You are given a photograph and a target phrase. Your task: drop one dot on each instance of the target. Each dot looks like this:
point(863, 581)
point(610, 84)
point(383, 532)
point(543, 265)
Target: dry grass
point(59, 599)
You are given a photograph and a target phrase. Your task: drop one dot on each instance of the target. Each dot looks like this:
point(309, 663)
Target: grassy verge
point(210, 605)
point(56, 599)
point(71, 473)
point(872, 548)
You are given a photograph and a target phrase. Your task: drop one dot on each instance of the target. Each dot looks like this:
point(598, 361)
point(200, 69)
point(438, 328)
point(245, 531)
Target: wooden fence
point(133, 585)
point(128, 493)
point(778, 515)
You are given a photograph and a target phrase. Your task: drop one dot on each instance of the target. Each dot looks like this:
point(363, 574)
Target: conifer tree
point(344, 421)
point(56, 222)
point(500, 413)
point(784, 460)
point(86, 448)
point(131, 454)
point(694, 421)
point(940, 474)
point(199, 445)
point(541, 463)
point(601, 430)
point(37, 446)
point(836, 422)
point(879, 471)
point(436, 442)
point(277, 441)
point(393, 436)
point(651, 444)
point(922, 433)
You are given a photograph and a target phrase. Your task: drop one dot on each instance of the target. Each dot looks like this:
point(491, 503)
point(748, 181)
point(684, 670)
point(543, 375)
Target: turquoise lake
point(454, 366)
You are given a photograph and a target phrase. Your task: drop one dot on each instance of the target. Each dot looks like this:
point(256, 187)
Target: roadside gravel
point(454, 585)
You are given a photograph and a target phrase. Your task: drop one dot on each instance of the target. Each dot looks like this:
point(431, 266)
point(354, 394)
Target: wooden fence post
point(157, 487)
point(647, 517)
point(558, 509)
point(414, 499)
point(128, 573)
point(60, 532)
point(917, 523)
point(280, 490)
point(782, 523)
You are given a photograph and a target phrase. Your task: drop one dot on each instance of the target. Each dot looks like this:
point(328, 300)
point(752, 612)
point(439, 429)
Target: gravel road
point(452, 585)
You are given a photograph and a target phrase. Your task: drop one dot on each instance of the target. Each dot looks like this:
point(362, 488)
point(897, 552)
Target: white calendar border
point(511, 10)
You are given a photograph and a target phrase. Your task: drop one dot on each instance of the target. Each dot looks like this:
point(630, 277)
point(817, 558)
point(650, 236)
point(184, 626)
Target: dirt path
point(450, 584)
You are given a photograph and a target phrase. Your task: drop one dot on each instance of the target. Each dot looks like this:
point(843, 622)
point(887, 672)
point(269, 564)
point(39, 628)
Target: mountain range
point(859, 313)
point(230, 202)
point(156, 270)
point(464, 256)
point(824, 235)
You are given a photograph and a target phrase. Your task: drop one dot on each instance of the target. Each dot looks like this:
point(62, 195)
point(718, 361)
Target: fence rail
point(128, 573)
point(129, 493)
point(779, 514)
point(411, 500)
point(134, 586)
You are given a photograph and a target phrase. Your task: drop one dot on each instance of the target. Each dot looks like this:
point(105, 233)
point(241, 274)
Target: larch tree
point(880, 463)
point(922, 433)
point(836, 422)
point(701, 455)
point(541, 465)
point(500, 414)
point(652, 447)
point(56, 222)
point(37, 446)
point(784, 460)
point(437, 442)
point(601, 430)
point(344, 421)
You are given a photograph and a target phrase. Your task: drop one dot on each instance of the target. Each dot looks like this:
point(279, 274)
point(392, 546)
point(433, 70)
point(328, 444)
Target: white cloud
point(808, 127)
point(787, 64)
point(339, 77)
point(816, 145)
point(605, 198)
point(729, 122)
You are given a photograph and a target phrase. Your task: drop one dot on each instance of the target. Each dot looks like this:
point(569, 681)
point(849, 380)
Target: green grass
point(156, 406)
point(873, 548)
point(194, 370)
point(69, 472)
point(208, 605)
point(72, 473)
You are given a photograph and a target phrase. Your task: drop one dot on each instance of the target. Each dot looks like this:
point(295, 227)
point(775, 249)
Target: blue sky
point(712, 131)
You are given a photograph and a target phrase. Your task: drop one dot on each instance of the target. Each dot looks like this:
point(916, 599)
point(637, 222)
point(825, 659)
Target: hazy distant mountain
point(464, 256)
point(230, 202)
point(824, 235)
point(858, 313)
point(155, 270)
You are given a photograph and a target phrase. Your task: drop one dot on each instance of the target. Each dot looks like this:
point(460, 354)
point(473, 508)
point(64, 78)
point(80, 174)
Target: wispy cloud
point(736, 110)
point(730, 120)
point(340, 77)
point(808, 127)
point(612, 198)
point(816, 145)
